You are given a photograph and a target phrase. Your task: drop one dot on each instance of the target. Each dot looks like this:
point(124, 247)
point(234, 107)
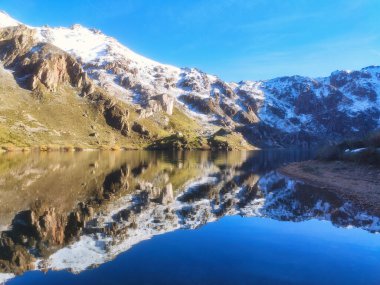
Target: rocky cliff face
point(280, 112)
point(38, 66)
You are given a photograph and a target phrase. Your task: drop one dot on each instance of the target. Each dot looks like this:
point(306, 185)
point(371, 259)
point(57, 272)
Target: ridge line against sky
point(234, 39)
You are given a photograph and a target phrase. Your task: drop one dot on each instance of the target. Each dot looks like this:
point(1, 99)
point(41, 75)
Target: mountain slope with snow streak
point(7, 21)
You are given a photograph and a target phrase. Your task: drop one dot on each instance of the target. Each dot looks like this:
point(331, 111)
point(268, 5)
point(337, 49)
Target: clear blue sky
point(235, 39)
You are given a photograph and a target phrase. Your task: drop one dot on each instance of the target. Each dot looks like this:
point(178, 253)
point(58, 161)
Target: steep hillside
point(161, 106)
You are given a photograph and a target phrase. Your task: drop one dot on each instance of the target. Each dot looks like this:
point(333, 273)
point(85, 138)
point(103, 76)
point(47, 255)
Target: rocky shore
point(357, 183)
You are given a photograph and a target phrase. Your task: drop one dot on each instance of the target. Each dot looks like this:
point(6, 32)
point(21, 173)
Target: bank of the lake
point(357, 183)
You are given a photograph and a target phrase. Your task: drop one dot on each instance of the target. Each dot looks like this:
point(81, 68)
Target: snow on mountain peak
point(76, 27)
point(7, 21)
point(90, 45)
point(372, 69)
point(289, 103)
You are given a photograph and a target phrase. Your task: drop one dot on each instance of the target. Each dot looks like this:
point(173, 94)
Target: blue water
point(236, 250)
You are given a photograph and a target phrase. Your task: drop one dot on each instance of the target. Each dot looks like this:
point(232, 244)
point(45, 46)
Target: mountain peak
point(7, 21)
point(272, 112)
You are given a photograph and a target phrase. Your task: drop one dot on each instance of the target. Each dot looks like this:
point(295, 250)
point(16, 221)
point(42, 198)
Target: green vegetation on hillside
point(63, 120)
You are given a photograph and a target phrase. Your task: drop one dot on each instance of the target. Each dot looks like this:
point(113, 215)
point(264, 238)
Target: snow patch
point(79, 256)
point(4, 277)
point(357, 150)
point(7, 21)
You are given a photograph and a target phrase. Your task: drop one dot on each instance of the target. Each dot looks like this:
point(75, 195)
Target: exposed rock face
point(194, 80)
point(166, 102)
point(128, 82)
point(206, 106)
point(117, 117)
point(15, 41)
point(222, 87)
point(39, 66)
point(57, 68)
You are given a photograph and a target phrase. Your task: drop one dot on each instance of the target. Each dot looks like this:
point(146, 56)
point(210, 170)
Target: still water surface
point(177, 218)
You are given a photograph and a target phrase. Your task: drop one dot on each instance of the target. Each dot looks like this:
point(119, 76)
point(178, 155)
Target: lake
point(140, 217)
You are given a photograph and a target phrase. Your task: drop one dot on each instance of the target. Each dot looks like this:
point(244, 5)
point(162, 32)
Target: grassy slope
point(64, 119)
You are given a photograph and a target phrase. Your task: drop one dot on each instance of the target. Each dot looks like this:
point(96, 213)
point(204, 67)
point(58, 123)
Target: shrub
point(366, 156)
point(374, 139)
point(329, 153)
point(354, 144)
point(370, 153)
point(115, 148)
point(67, 148)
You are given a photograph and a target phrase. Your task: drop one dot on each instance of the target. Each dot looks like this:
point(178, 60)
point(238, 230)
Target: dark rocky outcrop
point(194, 80)
point(203, 105)
point(140, 129)
point(13, 257)
point(224, 88)
point(115, 113)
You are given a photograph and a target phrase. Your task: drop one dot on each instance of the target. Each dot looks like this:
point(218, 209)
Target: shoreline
point(48, 148)
point(63, 149)
point(359, 184)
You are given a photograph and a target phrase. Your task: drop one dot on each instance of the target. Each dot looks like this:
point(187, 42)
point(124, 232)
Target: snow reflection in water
point(120, 199)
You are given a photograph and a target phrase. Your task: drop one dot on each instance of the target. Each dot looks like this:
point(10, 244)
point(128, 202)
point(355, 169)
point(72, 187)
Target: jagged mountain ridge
point(279, 112)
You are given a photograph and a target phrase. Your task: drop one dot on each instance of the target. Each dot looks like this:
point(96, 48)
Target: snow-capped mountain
point(282, 111)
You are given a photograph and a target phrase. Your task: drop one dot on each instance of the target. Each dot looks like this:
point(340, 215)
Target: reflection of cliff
point(42, 229)
point(49, 200)
point(125, 198)
point(295, 201)
point(50, 179)
point(61, 181)
point(232, 190)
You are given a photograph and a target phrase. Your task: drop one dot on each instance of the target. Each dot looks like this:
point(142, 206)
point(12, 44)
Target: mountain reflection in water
point(77, 210)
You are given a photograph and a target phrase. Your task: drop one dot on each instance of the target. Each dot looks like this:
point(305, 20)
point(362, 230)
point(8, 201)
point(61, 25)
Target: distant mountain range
point(126, 99)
